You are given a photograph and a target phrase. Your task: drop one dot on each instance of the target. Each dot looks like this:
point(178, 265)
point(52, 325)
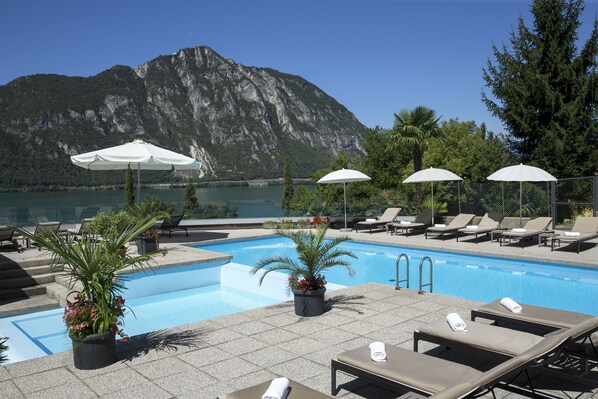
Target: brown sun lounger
point(459, 222)
point(587, 227)
point(422, 221)
point(173, 223)
point(296, 391)
point(80, 229)
point(44, 228)
point(489, 223)
point(7, 234)
point(429, 375)
point(539, 318)
point(388, 216)
point(533, 228)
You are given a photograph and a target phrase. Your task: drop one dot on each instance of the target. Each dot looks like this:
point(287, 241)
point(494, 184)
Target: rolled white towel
point(518, 230)
point(378, 351)
point(511, 305)
point(371, 220)
point(456, 322)
point(473, 227)
point(572, 234)
point(405, 222)
point(277, 389)
point(440, 225)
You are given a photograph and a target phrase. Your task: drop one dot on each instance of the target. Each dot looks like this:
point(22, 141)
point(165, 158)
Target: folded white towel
point(518, 230)
point(572, 234)
point(456, 322)
point(371, 220)
point(473, 227)
point(405, 222)
point(440, 225)
point(511, 305)
point(378, 351)
point(277, 389)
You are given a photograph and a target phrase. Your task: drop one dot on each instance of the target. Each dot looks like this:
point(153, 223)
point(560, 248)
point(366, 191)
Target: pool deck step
point(28, 281)
point(20, 272)
point(11, 307)
point(24, 292)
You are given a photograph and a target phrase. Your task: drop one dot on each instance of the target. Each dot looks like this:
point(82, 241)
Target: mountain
point(240, 122)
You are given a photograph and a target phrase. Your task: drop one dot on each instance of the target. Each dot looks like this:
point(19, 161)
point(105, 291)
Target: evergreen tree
point(287, 190)
point(129, 191)
point(546, 90)
point(190, 201)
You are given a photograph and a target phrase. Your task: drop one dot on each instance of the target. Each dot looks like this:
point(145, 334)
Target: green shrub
point(111, 224)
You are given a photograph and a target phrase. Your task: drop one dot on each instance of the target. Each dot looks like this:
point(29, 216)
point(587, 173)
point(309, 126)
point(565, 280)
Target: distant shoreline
point(206, 184)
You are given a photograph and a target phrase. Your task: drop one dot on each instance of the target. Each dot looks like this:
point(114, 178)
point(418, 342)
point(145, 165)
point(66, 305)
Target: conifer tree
point(545, 91)
point(129, 192)
point(287, 190)
point(190, 201)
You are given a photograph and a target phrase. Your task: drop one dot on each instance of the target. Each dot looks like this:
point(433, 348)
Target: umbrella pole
point(520, 202)
point(345, 197)
point(432, 203)
point(459, 194)
point(138, 182)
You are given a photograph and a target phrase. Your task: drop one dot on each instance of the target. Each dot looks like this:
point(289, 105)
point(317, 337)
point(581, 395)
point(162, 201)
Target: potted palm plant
point(95, 307)
point(315, 254)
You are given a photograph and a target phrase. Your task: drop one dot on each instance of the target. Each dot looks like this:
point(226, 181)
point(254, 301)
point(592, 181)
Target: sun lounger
point(296, 391)
point(489, 223)
point(80, 229)
point(532, 228)
point(173, 223)
point(421, 222)
point(541, 319)
point(459, 222)
point(430, 375)
point(44, 228)
point(587, 227)
point(7, 234)
point(388, 216)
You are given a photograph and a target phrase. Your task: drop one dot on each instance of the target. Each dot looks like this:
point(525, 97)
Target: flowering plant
point(149, 233)
point(304, 284)
point(81, 317)
point(318, 221)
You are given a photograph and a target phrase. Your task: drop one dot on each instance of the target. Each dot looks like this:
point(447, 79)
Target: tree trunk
point(417, 166)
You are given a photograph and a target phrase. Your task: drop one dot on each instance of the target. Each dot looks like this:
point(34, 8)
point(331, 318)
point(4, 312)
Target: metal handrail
point(397, 272)
point(421, 264)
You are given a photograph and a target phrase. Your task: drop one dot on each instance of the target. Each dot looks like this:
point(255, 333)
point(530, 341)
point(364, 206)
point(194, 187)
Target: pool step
point(20, 272)
point(28, 281)
point(11, 307)
point(24, 292)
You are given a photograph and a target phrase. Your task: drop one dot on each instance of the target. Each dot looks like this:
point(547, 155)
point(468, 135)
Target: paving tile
point(76, 390)
point(269, 356)
point(299, 369)
point(281, 319)
point(251, 379)
point(323, 356)
point(212, 391)
point(306, 327)
point(222, 335)
point(252, 327)
point(360, 327)
point(241, 346)
point(163, 367)
point(4, 374)
point(84, 374)
point(106, 383)
point(204, 356)
point(231, 319)
point(332, 319)
point(178, 384)
point(45, 380)
point(391, 336)
point(385, 319)
point(43, 363)
point(301, 346)
point(147, 390)
point(276, 336)
point(230, 368)
point(8, 390)
point(333, 336)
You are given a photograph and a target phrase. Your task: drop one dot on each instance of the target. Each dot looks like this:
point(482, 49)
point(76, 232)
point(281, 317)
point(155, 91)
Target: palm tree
point(415, 127)
point(315, 255)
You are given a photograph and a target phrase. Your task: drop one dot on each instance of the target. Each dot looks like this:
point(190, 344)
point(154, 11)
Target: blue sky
point(375, 57)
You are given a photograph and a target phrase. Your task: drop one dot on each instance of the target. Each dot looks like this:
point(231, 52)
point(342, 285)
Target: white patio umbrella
point(344, 176)
point(431, 175)
point(521, 173)
point(137, 153)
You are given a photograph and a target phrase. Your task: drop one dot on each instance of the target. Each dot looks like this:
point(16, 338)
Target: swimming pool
point(479, 278)
point(159, 299)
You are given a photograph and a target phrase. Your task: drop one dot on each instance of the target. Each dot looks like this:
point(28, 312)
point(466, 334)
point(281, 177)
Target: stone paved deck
point(217, 356)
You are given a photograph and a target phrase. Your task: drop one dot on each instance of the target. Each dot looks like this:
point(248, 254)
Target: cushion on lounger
point(412, 369)
point(297, 391)
point(483, 336)
point(539, 315)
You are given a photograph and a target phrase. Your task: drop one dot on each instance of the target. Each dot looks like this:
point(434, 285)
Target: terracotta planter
point(309, 303)
point(94, 351)
point(146, 245)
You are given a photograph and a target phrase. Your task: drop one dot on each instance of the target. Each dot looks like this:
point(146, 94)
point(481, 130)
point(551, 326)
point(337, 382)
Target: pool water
point(161, 299)
point(479, 278)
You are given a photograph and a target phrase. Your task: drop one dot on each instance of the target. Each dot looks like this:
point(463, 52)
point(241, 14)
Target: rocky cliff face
point(239, 122)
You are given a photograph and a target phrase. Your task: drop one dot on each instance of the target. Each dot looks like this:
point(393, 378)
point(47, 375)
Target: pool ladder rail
point(406, 279)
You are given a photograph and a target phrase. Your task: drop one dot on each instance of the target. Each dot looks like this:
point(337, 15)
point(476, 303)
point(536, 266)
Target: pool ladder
point(406, 280)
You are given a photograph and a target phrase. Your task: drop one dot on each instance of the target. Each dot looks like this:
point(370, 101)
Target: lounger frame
point(173, 223)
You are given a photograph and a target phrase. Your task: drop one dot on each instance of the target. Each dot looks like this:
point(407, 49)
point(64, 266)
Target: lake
point(25, 208)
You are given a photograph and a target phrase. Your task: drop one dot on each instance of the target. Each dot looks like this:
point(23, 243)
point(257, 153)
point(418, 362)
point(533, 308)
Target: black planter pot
point(94, 351)
point(146, 245)
point(309, 303)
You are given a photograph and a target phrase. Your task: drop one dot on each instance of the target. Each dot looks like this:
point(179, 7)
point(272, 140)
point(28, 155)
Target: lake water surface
point(25, 208)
